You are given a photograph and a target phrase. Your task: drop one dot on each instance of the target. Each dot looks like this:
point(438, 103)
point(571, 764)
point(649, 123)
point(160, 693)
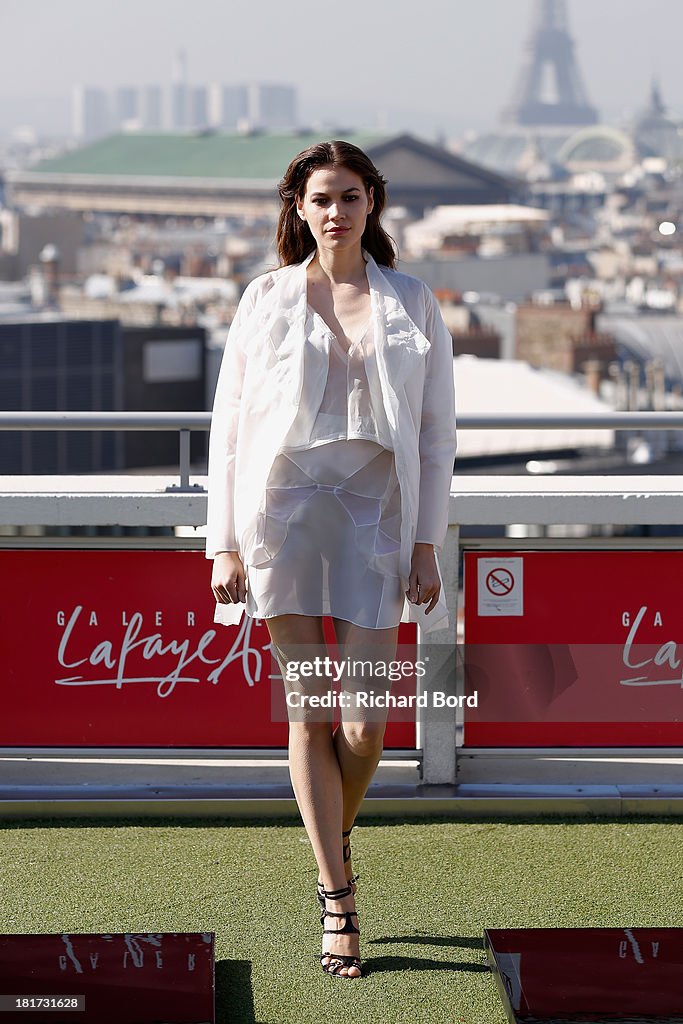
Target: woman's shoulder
point(262, 283)
point(411, 290)
point(258, 288)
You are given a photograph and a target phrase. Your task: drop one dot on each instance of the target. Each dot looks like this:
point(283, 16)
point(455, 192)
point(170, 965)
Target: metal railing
point(184, 422)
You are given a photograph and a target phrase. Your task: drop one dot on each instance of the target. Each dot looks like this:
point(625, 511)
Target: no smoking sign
point(499, 590)
point(500, 582)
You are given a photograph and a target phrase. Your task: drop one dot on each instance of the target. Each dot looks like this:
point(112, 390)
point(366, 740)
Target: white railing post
point(437, 726)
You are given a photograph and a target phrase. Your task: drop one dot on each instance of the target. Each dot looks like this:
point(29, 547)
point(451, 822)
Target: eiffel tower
point(549, 89)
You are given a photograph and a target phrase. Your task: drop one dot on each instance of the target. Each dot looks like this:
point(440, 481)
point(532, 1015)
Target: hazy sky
point(424, 65)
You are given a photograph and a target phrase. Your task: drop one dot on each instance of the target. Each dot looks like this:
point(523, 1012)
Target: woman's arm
point(437, 440)
point(437, 444)
point(220, 533)
point(228, 578)
point(424, 583)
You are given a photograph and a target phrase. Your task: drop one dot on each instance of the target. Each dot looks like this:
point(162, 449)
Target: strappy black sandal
point(339, 960)
point(346, 848)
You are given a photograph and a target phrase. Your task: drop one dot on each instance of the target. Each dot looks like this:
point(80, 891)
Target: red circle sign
point(500, 582)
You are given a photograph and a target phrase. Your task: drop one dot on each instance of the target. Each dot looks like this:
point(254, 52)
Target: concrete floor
point(124, 783)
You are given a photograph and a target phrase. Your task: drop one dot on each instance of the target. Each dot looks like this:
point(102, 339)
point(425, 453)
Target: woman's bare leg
point(359, 738)
point(315, 772)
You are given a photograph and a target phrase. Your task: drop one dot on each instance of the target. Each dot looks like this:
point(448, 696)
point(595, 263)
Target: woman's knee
point(364, 739)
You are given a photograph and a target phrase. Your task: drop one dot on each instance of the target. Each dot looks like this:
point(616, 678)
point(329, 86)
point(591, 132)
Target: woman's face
point(335, 206)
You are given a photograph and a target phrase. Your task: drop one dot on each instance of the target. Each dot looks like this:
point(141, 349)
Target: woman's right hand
point(228, 578)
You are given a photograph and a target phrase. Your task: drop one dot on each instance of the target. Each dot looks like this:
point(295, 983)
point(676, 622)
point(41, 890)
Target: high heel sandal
point(339, 960)
point(346, 848)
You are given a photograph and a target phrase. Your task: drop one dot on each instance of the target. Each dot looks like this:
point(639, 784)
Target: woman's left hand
point(424, 583)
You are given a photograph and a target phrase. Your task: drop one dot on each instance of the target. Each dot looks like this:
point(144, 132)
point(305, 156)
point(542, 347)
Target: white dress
point(333, 507)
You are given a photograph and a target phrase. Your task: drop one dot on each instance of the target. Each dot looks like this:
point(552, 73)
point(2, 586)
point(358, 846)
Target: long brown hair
point(293, 238)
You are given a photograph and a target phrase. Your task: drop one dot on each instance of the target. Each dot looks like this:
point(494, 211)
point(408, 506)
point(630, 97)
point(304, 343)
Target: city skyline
point(183, 106)
point(379, 67)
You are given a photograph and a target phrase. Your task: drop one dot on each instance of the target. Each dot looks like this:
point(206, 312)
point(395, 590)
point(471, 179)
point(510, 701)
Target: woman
point(330, 462)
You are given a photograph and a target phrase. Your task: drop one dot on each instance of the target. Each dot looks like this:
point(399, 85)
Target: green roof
point(188, 155)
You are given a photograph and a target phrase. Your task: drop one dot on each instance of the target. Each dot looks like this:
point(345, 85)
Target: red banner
point(574, 648)
point(119, 648)
point(589, 974)
point(108, 979)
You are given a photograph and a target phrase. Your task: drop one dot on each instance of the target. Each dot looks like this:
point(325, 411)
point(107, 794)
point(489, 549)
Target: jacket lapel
point(286, 303)
point(400, 344)
point(399, 329)
point(282, 321)
point(287, 298)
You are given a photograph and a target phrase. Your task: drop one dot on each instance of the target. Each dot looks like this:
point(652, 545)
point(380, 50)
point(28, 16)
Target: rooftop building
point(656, 131)
point(210, 174)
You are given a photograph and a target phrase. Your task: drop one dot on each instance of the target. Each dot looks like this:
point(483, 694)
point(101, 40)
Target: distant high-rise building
point(126, 105)
point(272, 106)
point(179, 94)
point(91, 113)
point(549, 89)
point(227, 106)
point(151, 112)
point(199, 109)
point(213, 104)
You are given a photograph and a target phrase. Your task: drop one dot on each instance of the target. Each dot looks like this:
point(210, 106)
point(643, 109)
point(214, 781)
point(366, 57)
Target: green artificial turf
point(427, 891)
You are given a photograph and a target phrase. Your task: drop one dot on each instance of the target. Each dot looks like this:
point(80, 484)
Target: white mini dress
point(333, 507)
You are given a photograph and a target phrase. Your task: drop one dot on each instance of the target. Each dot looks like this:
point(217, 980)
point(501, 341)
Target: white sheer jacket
point(258, 396)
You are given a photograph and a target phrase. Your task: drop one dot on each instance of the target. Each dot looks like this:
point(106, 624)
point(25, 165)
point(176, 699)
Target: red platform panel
point(120, 979)
point(588, 974)
point(574, 648)
point(119, 648)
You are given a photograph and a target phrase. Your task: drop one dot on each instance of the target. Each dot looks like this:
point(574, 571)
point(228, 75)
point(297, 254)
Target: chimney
point(592, 371)
point(49, 259)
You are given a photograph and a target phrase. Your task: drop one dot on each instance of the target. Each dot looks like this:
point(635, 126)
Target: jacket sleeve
point(220, 533)
point(437, 441)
